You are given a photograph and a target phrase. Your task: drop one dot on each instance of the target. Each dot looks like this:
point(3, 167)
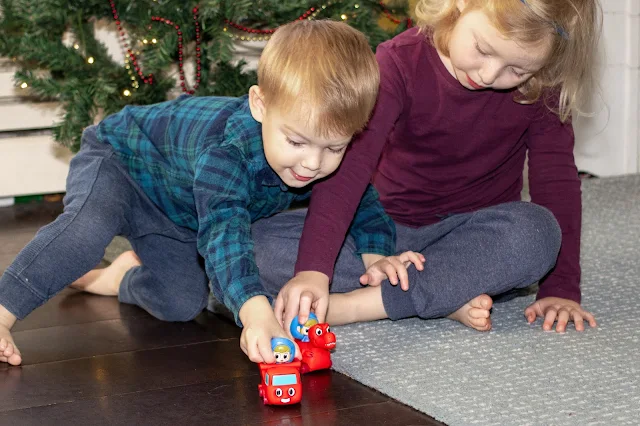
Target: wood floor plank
point(30, 216)
point(122, 373)
point(75, 307)
point(326, 396)
point(388, 413)
point(115, 336)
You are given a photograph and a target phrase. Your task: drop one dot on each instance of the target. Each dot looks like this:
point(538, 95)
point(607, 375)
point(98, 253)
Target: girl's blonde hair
point(573, 24)
point(323, 71)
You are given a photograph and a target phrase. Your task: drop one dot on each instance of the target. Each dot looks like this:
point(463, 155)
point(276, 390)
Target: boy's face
point(293, 150)
point(480, 57)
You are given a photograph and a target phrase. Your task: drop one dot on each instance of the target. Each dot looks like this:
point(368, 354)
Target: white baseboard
point(32, 165)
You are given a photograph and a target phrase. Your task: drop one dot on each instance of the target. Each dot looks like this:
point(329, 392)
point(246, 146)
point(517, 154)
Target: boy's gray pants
point(493, 250)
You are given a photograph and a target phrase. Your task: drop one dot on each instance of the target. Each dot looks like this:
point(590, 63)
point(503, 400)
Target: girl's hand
point(562, 310)
point(393, 268)
point(308, 290)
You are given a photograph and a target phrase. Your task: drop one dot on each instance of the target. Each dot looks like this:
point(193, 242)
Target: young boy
point(183, 180)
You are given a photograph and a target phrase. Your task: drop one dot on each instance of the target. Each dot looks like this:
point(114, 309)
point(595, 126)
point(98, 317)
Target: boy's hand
point(259, 326)
point(307, 290)
point(392, 267)
point(562, 310)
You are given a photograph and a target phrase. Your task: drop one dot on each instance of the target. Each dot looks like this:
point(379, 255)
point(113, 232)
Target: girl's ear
point(256, 103)
point(461, 4)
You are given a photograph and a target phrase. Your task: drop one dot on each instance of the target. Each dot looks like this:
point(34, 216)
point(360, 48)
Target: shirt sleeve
point(221, 192)
point(554, 184)
point(335, 200)
point(372, 229)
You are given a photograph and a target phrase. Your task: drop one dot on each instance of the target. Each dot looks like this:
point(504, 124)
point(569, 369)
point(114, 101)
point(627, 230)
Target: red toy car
point(280, 384)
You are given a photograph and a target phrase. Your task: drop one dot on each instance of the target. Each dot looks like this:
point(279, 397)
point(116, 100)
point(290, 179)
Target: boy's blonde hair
point(323, 71)
point(575, 28)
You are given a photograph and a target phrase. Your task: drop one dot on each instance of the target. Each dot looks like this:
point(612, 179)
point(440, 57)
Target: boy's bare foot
point(106, 281)
point(9, 352)
point(476, 313)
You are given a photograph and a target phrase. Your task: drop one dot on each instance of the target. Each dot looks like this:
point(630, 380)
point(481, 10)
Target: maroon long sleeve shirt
point(434, 147)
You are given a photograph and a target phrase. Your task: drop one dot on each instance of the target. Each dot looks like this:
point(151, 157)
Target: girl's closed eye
point(482, 52)
point(516, 73)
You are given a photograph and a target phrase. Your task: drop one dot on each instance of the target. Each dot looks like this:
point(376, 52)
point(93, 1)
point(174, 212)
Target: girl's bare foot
point(476, 313)
point(363, 304)
point(107, 281)
point(9, 352)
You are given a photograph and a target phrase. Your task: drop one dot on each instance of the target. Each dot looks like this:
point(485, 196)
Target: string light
point(90, 59)
point(126, 92)
point(24, 85)
point(76, 46)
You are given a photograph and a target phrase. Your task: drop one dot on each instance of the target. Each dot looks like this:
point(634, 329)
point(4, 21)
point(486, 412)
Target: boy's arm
point(221, 193)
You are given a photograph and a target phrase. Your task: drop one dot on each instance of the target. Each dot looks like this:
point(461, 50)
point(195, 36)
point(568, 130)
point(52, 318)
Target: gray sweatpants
point(492, 251)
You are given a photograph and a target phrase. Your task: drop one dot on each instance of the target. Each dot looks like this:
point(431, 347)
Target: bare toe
point(476, 313)
point(481, 324)
point(9, 353)
point(483, 301)
point(15, 359)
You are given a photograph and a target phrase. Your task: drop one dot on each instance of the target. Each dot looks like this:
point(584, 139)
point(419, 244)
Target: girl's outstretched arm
point(335, 200)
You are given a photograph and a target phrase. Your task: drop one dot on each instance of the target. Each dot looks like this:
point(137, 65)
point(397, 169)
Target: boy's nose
point(311, 162)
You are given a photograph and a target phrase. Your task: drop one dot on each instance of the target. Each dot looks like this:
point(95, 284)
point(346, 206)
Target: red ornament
point(180, 49)
point(125, 44)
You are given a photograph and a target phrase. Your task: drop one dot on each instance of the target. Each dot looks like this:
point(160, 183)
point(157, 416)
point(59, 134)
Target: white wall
point(607, 144)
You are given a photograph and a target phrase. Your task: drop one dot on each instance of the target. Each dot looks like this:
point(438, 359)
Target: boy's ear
point(256, 103)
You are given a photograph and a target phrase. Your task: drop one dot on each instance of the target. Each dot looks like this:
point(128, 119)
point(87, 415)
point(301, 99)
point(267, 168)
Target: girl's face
point(480, 57)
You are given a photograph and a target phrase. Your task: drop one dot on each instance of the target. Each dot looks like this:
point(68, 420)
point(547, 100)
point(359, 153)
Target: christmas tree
point(54, 44)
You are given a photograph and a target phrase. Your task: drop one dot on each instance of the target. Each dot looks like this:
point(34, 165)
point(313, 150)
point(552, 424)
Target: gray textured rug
point(518, 374)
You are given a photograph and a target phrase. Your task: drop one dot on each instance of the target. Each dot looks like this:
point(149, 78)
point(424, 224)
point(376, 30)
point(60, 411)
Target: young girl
point(463, 99)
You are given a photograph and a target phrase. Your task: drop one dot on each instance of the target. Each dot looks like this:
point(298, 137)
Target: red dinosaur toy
point(316, 353)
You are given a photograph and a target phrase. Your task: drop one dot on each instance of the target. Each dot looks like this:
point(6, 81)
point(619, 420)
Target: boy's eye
point(337, 151)
point(294, 143)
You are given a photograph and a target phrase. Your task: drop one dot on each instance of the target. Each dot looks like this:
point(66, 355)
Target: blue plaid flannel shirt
point(200, 160)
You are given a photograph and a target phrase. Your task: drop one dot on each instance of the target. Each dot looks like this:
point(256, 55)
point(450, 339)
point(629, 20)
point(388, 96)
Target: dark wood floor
point(89, 360)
